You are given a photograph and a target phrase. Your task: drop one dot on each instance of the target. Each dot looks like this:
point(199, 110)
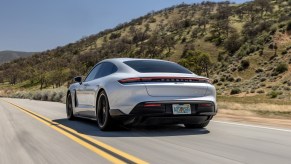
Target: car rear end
point(176, 97)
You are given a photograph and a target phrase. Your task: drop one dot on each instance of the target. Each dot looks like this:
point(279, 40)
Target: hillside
point(244, 48)
point(7, 56)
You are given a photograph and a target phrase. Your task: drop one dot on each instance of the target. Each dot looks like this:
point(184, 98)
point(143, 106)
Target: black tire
point(197, 126)
point(69, 108)
point(104, 120)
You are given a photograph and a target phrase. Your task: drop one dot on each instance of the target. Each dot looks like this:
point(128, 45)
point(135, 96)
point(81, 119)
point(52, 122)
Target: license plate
point(181, 108)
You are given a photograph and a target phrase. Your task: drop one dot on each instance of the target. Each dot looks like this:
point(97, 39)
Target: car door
point(83, 92)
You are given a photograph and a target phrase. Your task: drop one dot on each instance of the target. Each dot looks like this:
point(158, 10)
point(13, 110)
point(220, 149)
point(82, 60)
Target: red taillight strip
point(130, 80)
point(152, 105)
point(205, 105)
point(167, 79)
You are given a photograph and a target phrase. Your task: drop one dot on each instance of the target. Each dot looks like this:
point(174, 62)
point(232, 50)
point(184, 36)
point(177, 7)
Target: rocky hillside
point(244, 48)
point(7, 56)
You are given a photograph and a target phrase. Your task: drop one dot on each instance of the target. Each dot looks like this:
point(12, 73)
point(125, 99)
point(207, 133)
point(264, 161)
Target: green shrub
point(230, 79)
point(281, 25)
point(222, 79)
point(259, 70)
point(273, 30)
point(114, 36)
point(284, 52)
point(253, 91)
point(215, 81)
point(274, 94)
point(238, 80)
point(263, 79)
point(245, 64)
point(235, 91)
point(282, 67)
point(219, 83)
point(260, 91)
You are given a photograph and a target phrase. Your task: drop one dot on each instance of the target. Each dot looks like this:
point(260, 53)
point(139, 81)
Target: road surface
point(38, 132)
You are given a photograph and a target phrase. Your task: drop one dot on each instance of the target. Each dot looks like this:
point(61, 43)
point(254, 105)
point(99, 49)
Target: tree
point(139, 35)
point(197, 61)
point(264, 6)
point(232, 43)
point(153, 48)
point(168, 42)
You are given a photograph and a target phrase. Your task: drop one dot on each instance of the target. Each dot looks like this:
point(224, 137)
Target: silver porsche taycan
point(142, 91)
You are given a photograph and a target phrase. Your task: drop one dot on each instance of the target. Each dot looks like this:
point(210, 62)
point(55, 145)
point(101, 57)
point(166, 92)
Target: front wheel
point(103, 117)
point(69, 107)
point(197, 126)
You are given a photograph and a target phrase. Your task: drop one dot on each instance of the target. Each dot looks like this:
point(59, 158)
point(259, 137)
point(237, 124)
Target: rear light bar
point(164, 79)
point(152, 105)
point(205, 105)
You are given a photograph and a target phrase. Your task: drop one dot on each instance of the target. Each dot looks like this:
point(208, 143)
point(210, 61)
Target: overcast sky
point(38, 25)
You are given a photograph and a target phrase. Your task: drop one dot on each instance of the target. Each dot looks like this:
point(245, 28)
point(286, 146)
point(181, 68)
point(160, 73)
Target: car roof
point(128, 59)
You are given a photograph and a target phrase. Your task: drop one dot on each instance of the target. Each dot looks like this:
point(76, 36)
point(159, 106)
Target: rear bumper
point(164, 114)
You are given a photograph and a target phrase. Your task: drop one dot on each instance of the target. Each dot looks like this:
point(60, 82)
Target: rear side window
point(154, 66)
point(94, 73)
point(107, 69)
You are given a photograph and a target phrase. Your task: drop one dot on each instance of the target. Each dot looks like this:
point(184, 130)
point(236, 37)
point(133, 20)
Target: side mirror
point(78, 79)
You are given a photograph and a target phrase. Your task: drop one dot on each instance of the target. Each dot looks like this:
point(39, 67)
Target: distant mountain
point(7, 56)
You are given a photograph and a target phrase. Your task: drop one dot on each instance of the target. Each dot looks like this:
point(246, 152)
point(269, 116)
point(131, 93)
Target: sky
point(39, 25)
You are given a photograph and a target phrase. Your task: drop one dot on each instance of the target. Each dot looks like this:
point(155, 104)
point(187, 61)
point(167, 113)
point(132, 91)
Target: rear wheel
point(69, 107)
point(197, 126)
point(104, 119)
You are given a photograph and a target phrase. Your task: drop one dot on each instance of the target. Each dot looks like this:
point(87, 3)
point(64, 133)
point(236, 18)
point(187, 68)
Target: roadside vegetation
point(55, 95)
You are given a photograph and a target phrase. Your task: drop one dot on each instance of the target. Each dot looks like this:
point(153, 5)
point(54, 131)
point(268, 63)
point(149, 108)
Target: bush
point(263, 79)
point(273, 30)
point(233, 43)
point(230, 79)
point(259, 70)
point(274, 94)
point(219, 83)
point(152, 20)
point(222, 79)
point(238, 80)
point(282, 67)
point(235, 91)
point(253, 91)
point(45, 96)
point(37, 96)
point(260, 91)
point(284, 52)
point(114, 36)
point(215, 81)
point(245, 64)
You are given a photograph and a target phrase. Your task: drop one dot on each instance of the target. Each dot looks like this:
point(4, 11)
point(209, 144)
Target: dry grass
point(259, 109)
point(251, 107)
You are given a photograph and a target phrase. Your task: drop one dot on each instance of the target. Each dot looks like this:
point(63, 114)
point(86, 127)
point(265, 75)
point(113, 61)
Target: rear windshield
point(154, 66)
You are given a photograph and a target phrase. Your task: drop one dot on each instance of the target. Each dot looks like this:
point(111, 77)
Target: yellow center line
point(68, 132)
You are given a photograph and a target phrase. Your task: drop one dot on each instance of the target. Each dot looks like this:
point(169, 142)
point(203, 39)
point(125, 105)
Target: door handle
point(86, 85)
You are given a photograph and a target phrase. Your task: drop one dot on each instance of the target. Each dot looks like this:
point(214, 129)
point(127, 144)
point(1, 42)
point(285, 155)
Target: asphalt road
point(38, 132)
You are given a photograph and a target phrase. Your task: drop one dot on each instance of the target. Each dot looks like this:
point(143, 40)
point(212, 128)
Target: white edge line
point(254, 126)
